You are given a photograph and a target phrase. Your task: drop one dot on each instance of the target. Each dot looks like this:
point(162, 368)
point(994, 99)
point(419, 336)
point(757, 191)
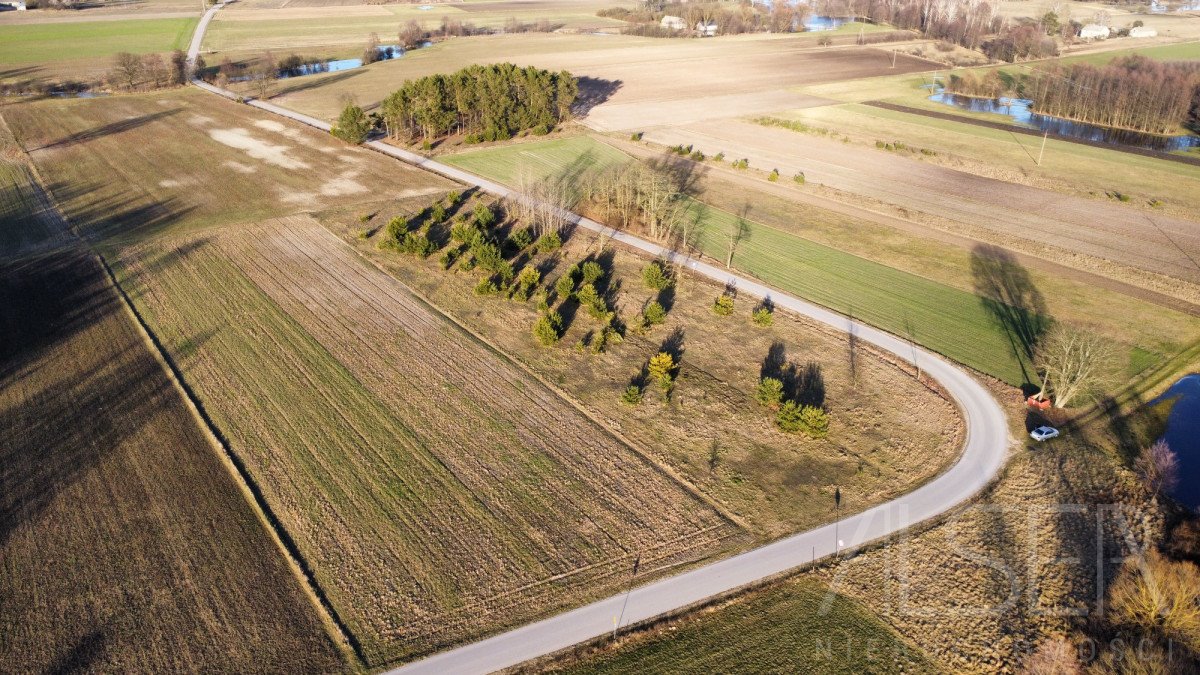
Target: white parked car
point(1043, 433)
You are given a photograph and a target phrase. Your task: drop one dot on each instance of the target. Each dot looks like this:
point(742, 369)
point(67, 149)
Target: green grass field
point(942, 318)
point(797, 626)
point(48, 42)
point(556, 157)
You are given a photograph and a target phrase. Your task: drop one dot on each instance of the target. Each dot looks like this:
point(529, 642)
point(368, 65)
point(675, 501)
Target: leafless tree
point(264, 75)
point(738, 230)
point(127, 70)
point(1072, 360)
point(543, 202)
point(154, 70)
point(1158, 465)
point(1055, 656)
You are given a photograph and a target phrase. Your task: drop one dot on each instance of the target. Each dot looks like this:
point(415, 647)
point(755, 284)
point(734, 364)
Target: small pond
point(1018, 110)
point(385, 53)
point(1157, 7)
point(1183, 435)
point(817, 23)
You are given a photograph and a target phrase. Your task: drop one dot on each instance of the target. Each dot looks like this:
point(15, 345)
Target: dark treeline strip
point(487, 103)
point(1134, 92)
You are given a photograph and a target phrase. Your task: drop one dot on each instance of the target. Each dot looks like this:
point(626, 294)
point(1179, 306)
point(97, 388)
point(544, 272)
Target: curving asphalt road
point(982, 458)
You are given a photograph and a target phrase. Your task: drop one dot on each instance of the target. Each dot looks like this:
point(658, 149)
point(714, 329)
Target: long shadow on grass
point(592, 92)
point(122, 214)
point(1008, 294)
point(111, 128)
point(72, 409)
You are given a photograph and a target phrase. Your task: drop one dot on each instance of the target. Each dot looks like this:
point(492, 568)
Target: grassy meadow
point(798, 625)
point(84, 49)
point(925, 291)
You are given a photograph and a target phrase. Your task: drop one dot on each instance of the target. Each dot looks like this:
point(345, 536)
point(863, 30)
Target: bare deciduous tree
point(127, 70)
point(1158, 465)
point(1071, 361)
point(1159, 597)
point(1055, 656)
point(264, 75)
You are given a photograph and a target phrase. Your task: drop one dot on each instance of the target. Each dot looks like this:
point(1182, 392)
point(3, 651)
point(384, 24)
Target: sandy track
point(1156, 245)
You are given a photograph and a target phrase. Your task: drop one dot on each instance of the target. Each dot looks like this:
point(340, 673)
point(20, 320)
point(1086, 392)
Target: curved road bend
point(983, 456)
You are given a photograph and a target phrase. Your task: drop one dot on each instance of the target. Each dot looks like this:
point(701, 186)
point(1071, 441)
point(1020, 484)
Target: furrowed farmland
point(438, 490)
point(125, 542)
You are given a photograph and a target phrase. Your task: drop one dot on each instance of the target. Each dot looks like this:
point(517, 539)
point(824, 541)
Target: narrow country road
point(983, 456)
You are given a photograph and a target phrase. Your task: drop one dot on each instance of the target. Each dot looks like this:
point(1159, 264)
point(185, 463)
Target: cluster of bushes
point(487, 103)
point(991, 85)
point(1025, 41)
point(645, 20)
point(399, 234)
point(791, 125)
point(791, 415)
point(898, 146)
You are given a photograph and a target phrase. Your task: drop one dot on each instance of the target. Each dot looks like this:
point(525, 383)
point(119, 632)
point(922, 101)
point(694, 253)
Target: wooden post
point(1043, 150)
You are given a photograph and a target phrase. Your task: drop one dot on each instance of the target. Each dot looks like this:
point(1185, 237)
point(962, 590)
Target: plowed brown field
point(437, 490)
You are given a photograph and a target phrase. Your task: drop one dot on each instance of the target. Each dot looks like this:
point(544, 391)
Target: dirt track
point(1061, 226)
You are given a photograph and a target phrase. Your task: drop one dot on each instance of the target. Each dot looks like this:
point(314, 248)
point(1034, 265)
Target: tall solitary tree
point(353, 125)
point(1072, 360)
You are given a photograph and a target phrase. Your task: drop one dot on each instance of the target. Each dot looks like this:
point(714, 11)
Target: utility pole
point(894, 57)
point(837, 506)
point(1043, 150)
point(617, 620)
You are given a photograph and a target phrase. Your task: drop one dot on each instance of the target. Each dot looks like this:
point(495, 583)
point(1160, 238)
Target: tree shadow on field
point(683, 173)
point(124, 213)
point(109, 129)
point(592, 92)
point(1008, 294)
point(298, 84)
point(82, 656)
point(71, 399)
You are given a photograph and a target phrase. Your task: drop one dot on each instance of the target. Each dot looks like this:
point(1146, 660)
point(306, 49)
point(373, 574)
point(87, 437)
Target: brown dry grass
point(437, 490)
point(126, 545)
point(889, 435)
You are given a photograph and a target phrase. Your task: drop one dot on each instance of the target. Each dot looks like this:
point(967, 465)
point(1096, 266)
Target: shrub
point(662, 369)
point(824, 41)
point(437, 213)
point(741, 163)
point(484, 216)
point(352, 126)
point(364, 234)
point(447, 259)
point(452, 197)
point(814, 421)
point(596, 306)
point(549, 242)
point(486, 287)
point(632, 395)
point(526, 281)
point(788, 418)
point(542, 299)
point(773, 176)
point(592, 272)
point(364, 218)
point(520, 239)
point(565, 285)
point(418, 244)
point(799, 178)
point(770, 392)
point(540, 130)
point(466, 233)
point(697, 156)
point(762, 317)
point(546, 328)
point(635, 136)
point(723, 305)
point(654, 314)
point(719, 157)
point(656, 277)
point(395, 228)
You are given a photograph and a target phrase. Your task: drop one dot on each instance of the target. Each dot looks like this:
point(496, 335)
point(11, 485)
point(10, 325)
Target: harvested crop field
point(1157, 251)
point(125, 543)
point(135, 166)
point(690, 80)
point(437, 490)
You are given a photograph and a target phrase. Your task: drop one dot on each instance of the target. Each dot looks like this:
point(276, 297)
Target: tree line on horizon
point(485, 103)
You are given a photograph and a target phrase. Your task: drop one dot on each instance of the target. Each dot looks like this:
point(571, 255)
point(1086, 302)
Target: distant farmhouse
point(1142, 32)
point(672, 23)
point(706, 29)
point(19, 5)
point(1094, 31)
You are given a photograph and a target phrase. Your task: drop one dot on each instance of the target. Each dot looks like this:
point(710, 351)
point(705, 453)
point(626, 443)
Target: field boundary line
point(336, 630)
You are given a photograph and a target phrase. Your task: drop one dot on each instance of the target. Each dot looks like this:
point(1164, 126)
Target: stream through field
point(1018, 110)
point(386, 53)
point(1183, 436)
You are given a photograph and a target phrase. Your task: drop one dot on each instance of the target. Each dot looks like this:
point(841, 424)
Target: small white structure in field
point(1094, 31)
point(672, 23)
point(706, 29)
point(1142, 32)
point(18, 5)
